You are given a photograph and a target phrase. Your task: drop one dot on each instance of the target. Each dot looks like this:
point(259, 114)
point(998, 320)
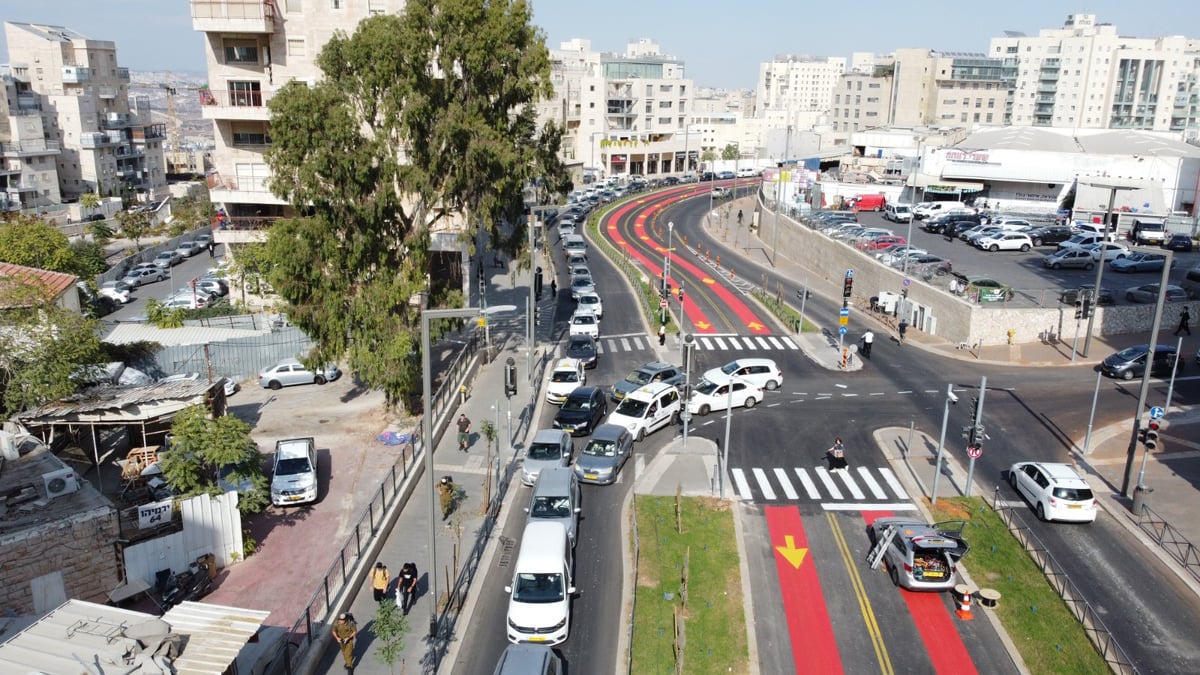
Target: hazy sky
point(722, 43)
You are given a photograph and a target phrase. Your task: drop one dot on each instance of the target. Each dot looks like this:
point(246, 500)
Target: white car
point(647, 409)
point(188, 301)
point(591, 302)
point(760, 372)
point(1005, 241)
point(715, 394)
point(898, 252)
point(1111, 251)
point(118, 290)
point(1055, 491)
point(585, 323)
point(567, 375)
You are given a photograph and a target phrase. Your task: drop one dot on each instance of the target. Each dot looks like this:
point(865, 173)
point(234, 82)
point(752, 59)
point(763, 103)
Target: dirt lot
point(297, 545)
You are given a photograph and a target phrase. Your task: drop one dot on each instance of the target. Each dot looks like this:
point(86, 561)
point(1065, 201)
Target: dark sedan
point(1051, 234)
point(582, 412)
point(1179, 242)
point(1071, 296)
point(582, 347)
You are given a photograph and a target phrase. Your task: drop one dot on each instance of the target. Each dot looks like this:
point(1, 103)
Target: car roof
point(548, 436)
point(1062, 474)
point(547, 555)
point(583, 392)
point(608, 432)
point(292, 447)
point(553, 480)
point(651, 389)
point(654, 366)
point(567, 364)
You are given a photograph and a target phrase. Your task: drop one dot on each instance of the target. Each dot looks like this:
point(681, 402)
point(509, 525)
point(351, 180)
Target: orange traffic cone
point(964, 607)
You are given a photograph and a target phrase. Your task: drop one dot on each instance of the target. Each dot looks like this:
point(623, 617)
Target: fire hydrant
point(1011, 334)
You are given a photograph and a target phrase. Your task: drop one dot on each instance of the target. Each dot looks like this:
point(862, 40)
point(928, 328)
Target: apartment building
point(624, 113)
point(802, 86)
point(28, 161)
point(105, 141)
point(1086, 75)
point(861, 101)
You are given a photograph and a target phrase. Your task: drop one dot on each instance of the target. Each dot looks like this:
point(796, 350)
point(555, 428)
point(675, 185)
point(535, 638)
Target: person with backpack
point(406, 586)
point(380, 578)
point(344, 631)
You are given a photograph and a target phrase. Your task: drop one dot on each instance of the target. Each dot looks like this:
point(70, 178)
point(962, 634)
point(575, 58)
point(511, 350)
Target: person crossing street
point(1185, 319)
point(868, 338)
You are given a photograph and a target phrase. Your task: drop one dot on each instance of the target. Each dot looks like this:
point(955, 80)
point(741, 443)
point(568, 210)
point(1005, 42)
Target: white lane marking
point(776, 343)
point(827, 480)
point(709, 422)
point(749, 343)
point(774, 405)
point(865, 474)
point(624, 344)
point(733, 343)
point(844, 506)
point(762, 342)
point(799, 393)
point(786, 484)
point(904, 392)
point(743, 488)
point(764, 484)
point(851, 485)
point(626, 335)
point(637, 342)
point(931, 391)
point(825, 397)
point(849, 395)
point(720, 342)
point(789, 343)
point(704, 341)
point(893, 482)
point(599, 348)
point(877, 393)
point(840, 386)
point(809, 486)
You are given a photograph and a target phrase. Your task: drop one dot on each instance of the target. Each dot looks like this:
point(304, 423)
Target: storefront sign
point(973, 157)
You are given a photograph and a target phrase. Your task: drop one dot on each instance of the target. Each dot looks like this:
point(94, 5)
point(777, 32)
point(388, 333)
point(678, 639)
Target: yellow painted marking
point(794, 556)
point(860, 593)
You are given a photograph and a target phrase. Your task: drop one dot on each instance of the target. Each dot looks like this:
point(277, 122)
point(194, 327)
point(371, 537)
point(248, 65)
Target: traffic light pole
point(1144, 390)
point(976, 431)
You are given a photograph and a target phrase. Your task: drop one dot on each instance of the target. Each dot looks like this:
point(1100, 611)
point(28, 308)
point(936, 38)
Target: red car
point(880, 243)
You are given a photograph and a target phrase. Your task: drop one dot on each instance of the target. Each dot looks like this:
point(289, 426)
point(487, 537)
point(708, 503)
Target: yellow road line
point(864, 604)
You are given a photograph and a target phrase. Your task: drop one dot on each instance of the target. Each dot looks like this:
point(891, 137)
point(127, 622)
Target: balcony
point(230, 191)
point(30, 148)
point(233, 16)
point(95, 140)
point(107, 93)
point(233, 104)
point(123, 74)
point(76, 74)
point(150, 132)
point(116, 120)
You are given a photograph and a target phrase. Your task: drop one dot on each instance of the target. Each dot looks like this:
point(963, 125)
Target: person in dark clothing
point(902, 328)
point(406, 586)
point(837, 456)
point(1185, 319)
point(212, 250)
point(464, 432)
point(554, 288)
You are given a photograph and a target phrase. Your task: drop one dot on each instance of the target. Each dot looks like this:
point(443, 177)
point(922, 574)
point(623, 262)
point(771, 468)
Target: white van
point(898, 213)
point(647, 409)
point(539, 602)
point(937, 208)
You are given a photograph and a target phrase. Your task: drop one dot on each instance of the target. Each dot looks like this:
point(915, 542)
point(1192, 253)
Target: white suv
point(760, 372)
point(647, 409)
point(1056, 491)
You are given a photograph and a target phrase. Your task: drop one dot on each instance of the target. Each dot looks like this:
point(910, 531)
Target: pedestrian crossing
point(856, 488)
point(743, 343)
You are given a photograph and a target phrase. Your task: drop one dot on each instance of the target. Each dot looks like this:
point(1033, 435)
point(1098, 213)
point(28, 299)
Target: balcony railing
point(116, 120)
point(76, 74)
point(236, 16)
point(150, 132)
point(31, 147)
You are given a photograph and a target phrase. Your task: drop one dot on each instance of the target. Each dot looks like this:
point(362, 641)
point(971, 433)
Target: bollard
point(1011, 334)
point(685, 241)
point(706, 252)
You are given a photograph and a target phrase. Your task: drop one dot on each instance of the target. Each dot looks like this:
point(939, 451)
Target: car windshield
point(543, 451)
point(1073, 494)
point(538, 588)
point(581, 347)
point(577, 404)
point(550, 507)
point(294, 465)
point(600, 448)
point(632, 408)
point(730, 368)
point(705, 387)
point(565, 376)
point(638, 377)
point(584, 319)
point(581, 281)
point(1131, 353)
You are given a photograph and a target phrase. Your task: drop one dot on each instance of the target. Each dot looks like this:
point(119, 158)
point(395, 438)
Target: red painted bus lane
point(814, 649)
point(935, 625)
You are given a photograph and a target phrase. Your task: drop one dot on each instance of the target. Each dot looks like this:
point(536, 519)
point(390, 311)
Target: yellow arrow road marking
point(795, 556)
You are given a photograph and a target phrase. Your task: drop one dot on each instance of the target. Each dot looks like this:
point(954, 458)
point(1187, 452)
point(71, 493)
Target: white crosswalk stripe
point(750, 344)
point(789, 343)
point(720, 342)
point(777, 343)
point(860, 487)
point(625, 344)
point(745, 342)
point(733, 343)
point(705, 343)
point(763, 341)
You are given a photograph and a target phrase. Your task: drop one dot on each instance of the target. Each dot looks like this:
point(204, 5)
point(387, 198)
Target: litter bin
point(1141, 498)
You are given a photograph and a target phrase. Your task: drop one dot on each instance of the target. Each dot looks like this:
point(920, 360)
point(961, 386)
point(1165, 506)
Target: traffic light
point(1083, 308)
point(510, 377)
point(1150, 435)
point(974, 409)
point(681, 294)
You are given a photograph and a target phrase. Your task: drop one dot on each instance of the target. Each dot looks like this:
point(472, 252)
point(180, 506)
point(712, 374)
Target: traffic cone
point(964, 607)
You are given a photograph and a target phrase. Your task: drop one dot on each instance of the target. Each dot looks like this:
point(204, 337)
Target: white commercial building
point(801, 86)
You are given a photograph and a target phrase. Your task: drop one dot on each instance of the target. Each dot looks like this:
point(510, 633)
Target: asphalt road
point(181, 274)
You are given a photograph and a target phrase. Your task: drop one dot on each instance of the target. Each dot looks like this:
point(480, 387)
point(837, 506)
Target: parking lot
point(1033, 283)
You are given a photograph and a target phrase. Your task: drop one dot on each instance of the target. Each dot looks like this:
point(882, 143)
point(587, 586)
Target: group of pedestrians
point(345, 629)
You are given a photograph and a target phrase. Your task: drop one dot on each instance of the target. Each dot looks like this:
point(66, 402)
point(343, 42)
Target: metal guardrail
point(1170, 540)
point(1088, 617)
point(637, 551)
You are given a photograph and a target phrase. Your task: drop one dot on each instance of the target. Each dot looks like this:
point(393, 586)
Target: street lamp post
point(1108, 225)
point(937, 464)
point(779, 198)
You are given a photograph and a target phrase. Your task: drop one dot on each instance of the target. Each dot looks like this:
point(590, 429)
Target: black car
point(1131, 362)
point(670, 180)
point(938, 223)
point(954, 227)
point(582, 347)
point(582, 412)
point(1050, 234)
point(707, 176)
point(1179, 242)
point(1071, 295)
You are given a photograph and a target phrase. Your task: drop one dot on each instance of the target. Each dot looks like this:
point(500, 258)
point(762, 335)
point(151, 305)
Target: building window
point(963, 118)
point(337, 4)
point(991, 103)
point(976, 118)
point(241, 51)
point(664, 104)
point(664, 120)
point(376, 7)
point(665, 88)
point(978, 103)
point(297, 47)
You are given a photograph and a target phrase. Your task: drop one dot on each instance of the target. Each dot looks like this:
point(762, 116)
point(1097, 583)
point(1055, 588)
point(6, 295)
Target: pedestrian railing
point(1170, 540)
point(1088, 617)
point(633, 595)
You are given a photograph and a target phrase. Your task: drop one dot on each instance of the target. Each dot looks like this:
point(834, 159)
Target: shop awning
point(939, 185)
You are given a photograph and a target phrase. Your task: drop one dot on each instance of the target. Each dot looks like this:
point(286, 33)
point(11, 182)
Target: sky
point(721, 43)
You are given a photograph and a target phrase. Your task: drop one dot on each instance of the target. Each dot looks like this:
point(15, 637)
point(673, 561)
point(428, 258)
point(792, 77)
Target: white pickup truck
point(1149, 231)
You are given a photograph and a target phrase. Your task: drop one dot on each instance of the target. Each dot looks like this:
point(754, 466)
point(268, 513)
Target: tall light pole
point(779, 197)
point(1144, 390)
point(937, 464)
point(1108, 225)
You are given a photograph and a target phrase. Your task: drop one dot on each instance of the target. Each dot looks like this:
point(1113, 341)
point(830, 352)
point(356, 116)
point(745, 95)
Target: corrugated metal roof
point(125, 333)
point(80, 633)
point(112, 401)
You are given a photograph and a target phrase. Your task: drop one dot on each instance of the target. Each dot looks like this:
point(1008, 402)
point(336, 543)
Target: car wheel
point(1024, 248)
point(876, 209)
point(1088, 266)
point(1037, 242)
point(1041, 512)
point(993, 248)
point(704, 410)
point(275, 385)
point(750, 402)
point(319, 379)
point(1127, 375)
point(893, 574)
point(1056, 266)
point(641, 435)
point(1012, 479)
point(772, 385)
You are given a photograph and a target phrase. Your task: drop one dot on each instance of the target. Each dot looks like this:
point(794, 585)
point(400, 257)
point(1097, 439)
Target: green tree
point(708, 156)
point(201, 446)
point(31, 242)
point(189, 213)
point(135, 225)
point(87, 258)
point(90, 201)
point(389, 628)
point(420, 120)
point(102, 233)
point(41, 346)
point(729, 152)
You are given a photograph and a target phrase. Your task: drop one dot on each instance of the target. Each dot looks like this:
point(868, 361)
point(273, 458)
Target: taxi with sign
point(565, 377)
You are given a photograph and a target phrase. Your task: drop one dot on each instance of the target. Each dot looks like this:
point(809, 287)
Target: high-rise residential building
point(861, 101)
point(1086, 75)
point(801, 86)
point(107, 144)
point(28, 166)
point(626, 113)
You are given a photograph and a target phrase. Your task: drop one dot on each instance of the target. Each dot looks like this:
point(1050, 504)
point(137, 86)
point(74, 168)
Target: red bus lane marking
point(938, 632)
point(814, 649)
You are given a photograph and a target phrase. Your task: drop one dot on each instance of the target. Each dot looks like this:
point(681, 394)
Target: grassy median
point(713, 622)
point(1045, 631)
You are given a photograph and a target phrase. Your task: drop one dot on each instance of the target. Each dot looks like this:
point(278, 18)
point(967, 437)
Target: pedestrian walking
point(1184, 319)
point(662, 334)
point(868, 338)
point(739, 216)
point(464, 432)
point(406, 586)
point(902, 328)
point(212, 250)
point(344, 631)
point(837, 456)
point(948, 232)
point(554, 288)
point(379, 581)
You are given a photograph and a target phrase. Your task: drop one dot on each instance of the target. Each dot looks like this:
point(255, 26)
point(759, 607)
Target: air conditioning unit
point(61, 482)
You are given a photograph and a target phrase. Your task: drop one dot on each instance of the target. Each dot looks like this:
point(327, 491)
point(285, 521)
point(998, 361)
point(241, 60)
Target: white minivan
point(539, 599)
point(647, 409)
point(898, 213)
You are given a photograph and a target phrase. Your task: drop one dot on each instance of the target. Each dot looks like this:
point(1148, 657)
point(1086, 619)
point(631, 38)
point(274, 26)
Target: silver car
point(555, 497)
point(605, 453)
point(291, 372)
point(143, 276)
point(549, 448)
point(1149, 293)
point(580, 286)
point(919, 556)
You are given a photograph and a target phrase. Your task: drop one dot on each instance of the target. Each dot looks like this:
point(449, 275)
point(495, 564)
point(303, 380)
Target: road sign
point(1157, 412)
point(845, 311)
point(974, 451)
point(662, 304)
point(842, 330)
point(843, 321)
point(906, 282)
